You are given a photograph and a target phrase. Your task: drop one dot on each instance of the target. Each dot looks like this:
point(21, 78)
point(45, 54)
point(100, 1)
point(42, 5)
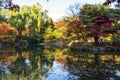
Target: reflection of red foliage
point(4, 30)
point(4, 56)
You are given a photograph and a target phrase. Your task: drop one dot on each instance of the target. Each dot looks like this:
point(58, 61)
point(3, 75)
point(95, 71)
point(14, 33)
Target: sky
point(56, 8)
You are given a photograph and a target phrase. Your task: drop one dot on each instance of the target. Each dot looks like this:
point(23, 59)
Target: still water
point(50, 63)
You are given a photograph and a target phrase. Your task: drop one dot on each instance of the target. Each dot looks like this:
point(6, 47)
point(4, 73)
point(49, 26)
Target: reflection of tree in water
point(41, 60)
point(38, 61)
point(19, 67)
point(96, 59)
point(92, 66)
point(85, 65)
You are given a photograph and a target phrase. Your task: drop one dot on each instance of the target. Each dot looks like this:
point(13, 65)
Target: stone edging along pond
point(96, 49)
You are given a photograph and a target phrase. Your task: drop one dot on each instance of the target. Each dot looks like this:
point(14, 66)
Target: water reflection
point(4, 68)
point(46, 63)
point(95, 66)
point(59, 71)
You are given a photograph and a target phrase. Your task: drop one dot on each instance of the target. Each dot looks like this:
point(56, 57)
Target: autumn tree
point(76, 29)
point(97, 20)
point(61, 29)
point(33, 16)
point(18, 21)
point(99, 28)
point(7, 32)
point(72, 21)
point(7, 5)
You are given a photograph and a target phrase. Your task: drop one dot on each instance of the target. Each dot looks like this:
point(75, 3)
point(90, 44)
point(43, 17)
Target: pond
point(51, 63)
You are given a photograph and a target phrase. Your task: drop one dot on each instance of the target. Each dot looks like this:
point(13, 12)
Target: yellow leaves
point(4, 12)
point(33, 8)
point(108, 38)
point(38, 64)
point(35, 17)
point(13, 13)
point(118, 21)
point(5, 24)
point(25, 55)
point(19, 21)
point(30, 20)
point(43, 11)
point(49, 20)
point(39, 19)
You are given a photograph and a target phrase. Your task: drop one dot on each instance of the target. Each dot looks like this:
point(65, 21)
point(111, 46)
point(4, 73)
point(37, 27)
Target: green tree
point(48, 36)
point(35, 16)
point(17, 20)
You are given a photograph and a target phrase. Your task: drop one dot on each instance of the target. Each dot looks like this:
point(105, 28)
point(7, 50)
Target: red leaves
point(103, 20)
point(101, 23)
point(99, 27)
point(4, 30)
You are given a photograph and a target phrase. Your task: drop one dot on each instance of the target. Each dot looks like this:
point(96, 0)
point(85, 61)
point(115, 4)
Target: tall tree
point(97, 19)
point(101, 23)
point(75, 28)
point(34, 16)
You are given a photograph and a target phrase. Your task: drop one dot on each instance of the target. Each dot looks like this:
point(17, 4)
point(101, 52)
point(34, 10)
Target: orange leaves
point(5, 29)
point(60, 24)
point(74, 23)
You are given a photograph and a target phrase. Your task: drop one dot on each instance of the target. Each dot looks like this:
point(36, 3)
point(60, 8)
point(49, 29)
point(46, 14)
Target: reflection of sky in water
point(59, 72)
point(40, 64)
point(27, 62)
point(4, 68)
point(117, 73)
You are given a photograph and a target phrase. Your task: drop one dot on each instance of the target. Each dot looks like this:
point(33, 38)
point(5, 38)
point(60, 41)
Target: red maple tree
point(99, 28)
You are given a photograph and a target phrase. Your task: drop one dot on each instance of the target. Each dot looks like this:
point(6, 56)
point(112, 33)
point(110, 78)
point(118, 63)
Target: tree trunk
point(20, 33)
point(96, 38)
point(18, 37)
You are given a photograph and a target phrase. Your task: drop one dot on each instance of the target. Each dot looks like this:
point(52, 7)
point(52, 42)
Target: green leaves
point(116, 38)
